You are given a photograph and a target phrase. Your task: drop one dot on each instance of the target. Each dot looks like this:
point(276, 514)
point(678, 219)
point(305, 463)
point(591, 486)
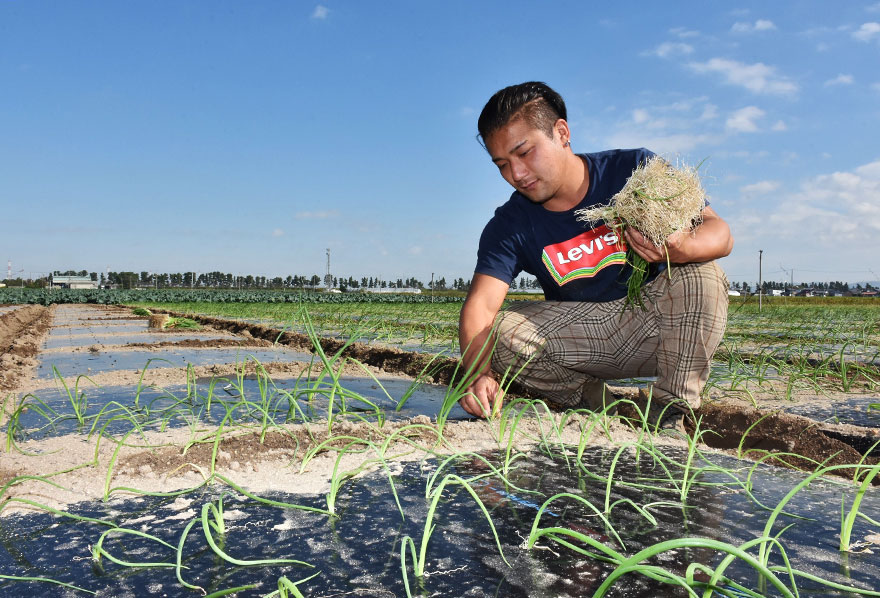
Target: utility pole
point(328, 278)
point(791, 275)
point(760, 283)
point(432, 287)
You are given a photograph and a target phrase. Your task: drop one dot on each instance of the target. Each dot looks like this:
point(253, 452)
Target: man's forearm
point(475, 338)
point(711, 240)
point(475, 326)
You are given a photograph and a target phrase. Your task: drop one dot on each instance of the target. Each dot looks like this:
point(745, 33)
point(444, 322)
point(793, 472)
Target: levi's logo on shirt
point(584, 255)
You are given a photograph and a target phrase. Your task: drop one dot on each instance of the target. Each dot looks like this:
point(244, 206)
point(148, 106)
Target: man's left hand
point(653, 254)
point(708, 241)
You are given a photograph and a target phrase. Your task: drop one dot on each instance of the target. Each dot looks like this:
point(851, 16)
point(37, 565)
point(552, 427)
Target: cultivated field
point(309, 446)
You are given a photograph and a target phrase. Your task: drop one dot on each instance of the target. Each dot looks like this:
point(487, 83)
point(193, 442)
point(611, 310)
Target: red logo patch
point(585, 255)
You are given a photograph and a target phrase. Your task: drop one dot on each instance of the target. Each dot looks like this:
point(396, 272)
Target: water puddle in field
point(123, 326)
point(858, 411)
point(51, 411)
point(86, 340)
point(725, 373)
point(358, 552)
point(73, 364)
point(827, 353)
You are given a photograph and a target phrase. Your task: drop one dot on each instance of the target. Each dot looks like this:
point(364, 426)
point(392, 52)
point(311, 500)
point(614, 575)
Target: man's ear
point(561, 131)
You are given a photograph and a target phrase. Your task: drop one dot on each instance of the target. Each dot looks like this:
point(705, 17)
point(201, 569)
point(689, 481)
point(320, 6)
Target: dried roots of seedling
point(658, 200)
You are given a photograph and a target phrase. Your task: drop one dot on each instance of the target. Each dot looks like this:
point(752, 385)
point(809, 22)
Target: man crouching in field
point(564, 348)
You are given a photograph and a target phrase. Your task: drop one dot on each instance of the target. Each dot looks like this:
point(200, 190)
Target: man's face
point(528, 159)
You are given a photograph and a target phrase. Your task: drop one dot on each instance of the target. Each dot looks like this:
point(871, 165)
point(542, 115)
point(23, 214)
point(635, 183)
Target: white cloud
point(757, 78)
point(870, 170)
point(320, 215)
point(683, 33)
point(415, 250)
point(876, 86)
point(670, 128)
point(867, 32)
point(840, 79)
point(833, 209)
point(710, 112)
point(779, 126)
point(321, 12)
point(667, 49)
point(277, 232)
point(673, 143)
point(640, 116)
point(743, 120)
point(873, 7)
point(759, 25)
point(760, 188)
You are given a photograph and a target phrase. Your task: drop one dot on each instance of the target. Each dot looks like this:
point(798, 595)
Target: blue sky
point(248, 137)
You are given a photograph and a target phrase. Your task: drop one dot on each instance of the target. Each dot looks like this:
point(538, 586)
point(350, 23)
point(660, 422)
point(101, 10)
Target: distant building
point(401, 290)
point(811, 292)
point(72, 282)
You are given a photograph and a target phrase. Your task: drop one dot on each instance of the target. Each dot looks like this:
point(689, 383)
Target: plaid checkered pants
point(562, 345)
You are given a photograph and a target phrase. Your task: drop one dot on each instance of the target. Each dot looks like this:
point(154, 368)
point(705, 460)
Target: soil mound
point(783, 438)
point(21, 333)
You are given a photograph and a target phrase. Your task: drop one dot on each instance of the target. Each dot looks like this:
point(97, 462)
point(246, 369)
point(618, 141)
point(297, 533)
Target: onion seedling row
point(405, 512)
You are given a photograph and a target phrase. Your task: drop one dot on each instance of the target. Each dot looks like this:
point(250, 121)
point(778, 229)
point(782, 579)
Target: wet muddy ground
point(107, 355)
point(154, 405)
point(358, 552)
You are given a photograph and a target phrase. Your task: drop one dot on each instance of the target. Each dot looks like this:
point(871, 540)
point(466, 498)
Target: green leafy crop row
point(106, 296)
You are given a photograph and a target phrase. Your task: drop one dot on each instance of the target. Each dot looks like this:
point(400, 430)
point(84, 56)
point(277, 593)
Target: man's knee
point(518, 337)
point(705, 280)
point(694, 292)
point(527, 324)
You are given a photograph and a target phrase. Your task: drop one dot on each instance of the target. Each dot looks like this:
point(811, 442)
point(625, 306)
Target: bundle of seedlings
point(182, 324)
point(658, 200)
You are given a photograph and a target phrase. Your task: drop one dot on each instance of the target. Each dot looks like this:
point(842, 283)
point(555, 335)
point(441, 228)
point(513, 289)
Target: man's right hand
point(481, 396)
point(484, 299)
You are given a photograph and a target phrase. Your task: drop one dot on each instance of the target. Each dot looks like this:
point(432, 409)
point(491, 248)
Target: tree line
point(225, 280)
point(836, 286)
point(221, 280)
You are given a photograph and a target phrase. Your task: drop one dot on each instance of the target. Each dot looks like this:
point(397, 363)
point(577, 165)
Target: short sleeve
point(498, 253)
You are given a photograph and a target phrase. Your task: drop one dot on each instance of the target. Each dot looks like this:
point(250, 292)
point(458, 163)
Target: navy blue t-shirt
point(571, 261)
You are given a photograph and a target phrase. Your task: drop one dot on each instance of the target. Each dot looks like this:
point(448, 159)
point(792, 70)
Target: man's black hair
point(533, 101)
